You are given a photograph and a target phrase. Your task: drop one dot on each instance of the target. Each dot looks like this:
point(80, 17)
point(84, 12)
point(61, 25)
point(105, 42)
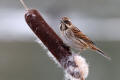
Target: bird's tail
point(103, 54)
point(100, 52)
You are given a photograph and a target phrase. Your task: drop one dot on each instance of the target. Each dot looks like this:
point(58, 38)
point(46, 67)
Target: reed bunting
point(76, 39)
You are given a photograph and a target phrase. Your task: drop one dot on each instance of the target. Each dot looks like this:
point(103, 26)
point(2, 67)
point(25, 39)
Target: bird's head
point(65, 23)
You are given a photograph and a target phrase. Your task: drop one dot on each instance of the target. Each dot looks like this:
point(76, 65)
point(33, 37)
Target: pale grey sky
point(99, 19)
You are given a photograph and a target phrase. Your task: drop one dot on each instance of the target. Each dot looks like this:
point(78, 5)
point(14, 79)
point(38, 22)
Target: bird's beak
point(61, 21)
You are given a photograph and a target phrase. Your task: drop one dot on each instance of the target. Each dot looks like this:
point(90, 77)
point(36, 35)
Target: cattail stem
point(24, 5)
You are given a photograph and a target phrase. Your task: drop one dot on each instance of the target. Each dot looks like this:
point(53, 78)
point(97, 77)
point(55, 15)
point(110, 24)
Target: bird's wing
point(79, 34)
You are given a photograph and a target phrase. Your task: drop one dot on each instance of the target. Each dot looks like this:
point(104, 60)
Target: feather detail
point(80, 35)
point(100, 52)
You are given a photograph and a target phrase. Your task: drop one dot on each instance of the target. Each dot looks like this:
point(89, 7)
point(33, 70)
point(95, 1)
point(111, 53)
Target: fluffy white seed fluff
point(41, 44)
point(69, 77)
point(82, 68)
point(82, 65)
point(48, 52)
point(53, 58)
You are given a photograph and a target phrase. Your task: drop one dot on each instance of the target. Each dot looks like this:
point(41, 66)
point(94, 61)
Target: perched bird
point(76, 39)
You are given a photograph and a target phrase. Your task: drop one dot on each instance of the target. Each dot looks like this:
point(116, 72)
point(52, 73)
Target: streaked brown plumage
point(76, 39)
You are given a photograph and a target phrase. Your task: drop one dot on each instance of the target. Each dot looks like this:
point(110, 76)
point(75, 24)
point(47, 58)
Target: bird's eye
point(66, 21)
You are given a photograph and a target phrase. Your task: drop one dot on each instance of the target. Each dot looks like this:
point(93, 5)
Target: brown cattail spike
point(24, 5)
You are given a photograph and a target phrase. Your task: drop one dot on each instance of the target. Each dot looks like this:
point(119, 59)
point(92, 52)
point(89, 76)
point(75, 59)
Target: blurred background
point(21, 58)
